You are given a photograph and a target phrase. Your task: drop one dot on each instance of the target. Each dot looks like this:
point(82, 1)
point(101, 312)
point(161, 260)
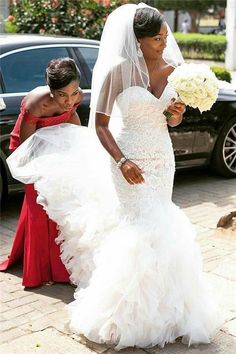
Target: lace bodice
point(144, 138)
point(144, 109)
point(143, 130)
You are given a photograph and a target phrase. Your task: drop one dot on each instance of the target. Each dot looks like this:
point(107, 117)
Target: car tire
point(224, 154)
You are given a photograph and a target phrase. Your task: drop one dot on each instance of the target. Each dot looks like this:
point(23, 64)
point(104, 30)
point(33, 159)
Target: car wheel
point(224, 154)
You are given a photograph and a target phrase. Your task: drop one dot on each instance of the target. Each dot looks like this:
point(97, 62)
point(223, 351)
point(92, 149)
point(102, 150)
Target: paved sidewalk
point(35, 321)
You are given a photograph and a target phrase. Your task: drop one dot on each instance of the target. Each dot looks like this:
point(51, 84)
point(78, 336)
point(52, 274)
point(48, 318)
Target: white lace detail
point(145, 139)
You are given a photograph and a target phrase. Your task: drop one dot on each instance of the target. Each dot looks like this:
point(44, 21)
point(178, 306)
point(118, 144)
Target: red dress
point(35, 234)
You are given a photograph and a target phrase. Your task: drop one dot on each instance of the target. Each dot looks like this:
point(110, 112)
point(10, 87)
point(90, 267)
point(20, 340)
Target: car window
point(89, 56)
point(25, 70)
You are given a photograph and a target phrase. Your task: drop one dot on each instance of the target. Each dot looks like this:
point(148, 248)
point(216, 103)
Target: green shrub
point(221, 73)
point(10, 24)
point(202, 46)
point(82, 18)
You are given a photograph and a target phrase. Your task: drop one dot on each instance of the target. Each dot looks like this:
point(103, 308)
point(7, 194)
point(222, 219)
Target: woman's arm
point(26, 129)
point(74, 119)
point(131, 172)
point(106, 137)
point(30, 118)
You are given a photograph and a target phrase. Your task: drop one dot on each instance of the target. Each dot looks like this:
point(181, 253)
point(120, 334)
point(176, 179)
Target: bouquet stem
point(167, 114)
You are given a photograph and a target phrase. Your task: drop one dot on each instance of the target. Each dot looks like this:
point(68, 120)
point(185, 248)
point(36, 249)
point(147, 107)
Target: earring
point(139, 52)
point(51, 95)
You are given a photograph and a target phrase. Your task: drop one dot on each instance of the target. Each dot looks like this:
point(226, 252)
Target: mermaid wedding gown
point(129, 249)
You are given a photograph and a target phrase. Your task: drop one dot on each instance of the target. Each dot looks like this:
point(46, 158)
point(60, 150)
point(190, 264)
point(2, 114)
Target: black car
point(201, 139)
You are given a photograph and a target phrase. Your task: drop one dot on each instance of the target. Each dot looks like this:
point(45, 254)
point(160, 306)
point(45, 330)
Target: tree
point(194, 7)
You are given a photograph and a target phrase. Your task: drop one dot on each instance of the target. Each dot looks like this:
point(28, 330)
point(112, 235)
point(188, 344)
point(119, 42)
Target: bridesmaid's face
point(66, 97)
point(152, 47)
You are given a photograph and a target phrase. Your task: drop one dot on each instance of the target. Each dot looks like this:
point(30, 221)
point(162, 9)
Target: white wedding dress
point(129, 248)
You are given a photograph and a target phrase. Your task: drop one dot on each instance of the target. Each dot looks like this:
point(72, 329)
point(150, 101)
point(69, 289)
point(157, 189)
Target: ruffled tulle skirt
point(139, 279)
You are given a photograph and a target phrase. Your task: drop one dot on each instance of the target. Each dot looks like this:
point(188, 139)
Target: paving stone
point(13, 279)
point(9, 324)
point(98, 348)
point(227, 268)
point(9, 335)
point(21, 301)
point(33, 315)
point(231, 326)
point(4, 307)
point(49, 341)
point(11, 314)
point(5, 297)
point(19, 294)
point(222, 344)
point(11, 288)
point(43, 307)
point(57, 320)
point(224, 291)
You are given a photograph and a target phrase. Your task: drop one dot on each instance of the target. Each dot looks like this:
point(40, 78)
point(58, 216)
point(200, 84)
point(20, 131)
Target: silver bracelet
point(121, 161)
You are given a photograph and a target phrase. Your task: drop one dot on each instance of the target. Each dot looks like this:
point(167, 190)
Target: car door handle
point(180, 151)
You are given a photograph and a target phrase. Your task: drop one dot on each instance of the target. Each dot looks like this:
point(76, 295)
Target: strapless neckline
point(146, 91)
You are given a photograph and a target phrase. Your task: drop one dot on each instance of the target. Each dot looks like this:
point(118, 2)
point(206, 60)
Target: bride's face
point(152, 47)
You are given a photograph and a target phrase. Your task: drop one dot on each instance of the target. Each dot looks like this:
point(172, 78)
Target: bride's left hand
point(177, 109)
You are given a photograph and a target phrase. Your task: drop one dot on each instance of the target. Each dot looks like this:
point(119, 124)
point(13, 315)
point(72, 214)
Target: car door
point(207, 126)
point(183, 137)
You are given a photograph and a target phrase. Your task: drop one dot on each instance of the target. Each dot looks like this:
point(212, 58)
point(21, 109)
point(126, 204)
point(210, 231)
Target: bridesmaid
point(34, 240)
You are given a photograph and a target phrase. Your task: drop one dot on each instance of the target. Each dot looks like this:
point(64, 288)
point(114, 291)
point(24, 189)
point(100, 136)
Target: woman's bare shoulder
point(36, 100)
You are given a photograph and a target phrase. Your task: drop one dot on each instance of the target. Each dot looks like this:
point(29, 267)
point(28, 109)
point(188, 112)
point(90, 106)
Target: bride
point(129, 249)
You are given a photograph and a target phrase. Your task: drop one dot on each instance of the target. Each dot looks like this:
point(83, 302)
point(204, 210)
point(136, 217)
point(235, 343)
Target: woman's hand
point(177, 109)
point(132, 173)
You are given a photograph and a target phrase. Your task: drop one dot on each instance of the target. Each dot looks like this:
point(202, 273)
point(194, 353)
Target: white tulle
point(129, 249)
point(120, 63)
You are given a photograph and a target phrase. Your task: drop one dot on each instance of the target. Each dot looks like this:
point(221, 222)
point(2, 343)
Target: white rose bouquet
point(196, 86)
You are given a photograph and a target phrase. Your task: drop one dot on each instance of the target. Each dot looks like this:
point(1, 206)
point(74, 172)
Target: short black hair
point(60, 72)
point(147, 22)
